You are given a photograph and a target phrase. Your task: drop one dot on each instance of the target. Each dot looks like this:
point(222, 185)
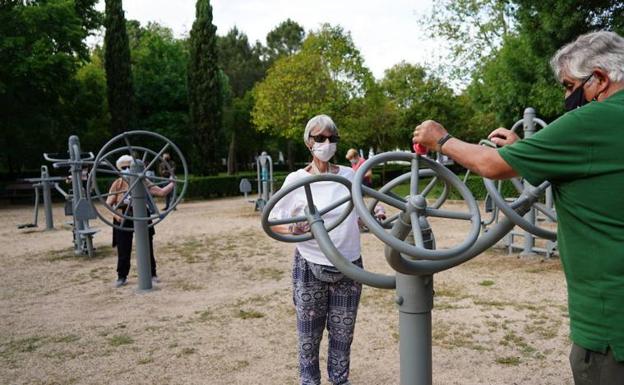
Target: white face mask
point(324, 151)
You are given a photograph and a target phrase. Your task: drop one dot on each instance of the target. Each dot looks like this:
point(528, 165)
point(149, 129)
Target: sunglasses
point(323, 138)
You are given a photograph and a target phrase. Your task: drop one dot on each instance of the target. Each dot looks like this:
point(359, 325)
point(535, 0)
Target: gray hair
point(123, 160)
point(602, 49)
point(322, 122)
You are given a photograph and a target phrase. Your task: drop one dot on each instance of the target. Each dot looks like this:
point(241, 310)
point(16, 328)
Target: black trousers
point(168, 199)
point(123, 241)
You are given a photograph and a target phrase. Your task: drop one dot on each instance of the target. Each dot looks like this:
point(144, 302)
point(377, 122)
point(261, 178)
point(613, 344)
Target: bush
point(223, 186)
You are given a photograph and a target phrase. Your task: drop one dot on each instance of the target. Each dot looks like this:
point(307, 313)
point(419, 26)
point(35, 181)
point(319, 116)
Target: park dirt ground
point(223, 312)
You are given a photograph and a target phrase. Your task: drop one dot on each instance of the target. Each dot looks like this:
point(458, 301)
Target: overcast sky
point(385, 32)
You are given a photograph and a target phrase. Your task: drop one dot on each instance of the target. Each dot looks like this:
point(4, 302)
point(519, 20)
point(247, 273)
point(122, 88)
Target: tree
point(205, 89)
point(324, 77)
point(296, 88)
point(549, 24)
point(90, 119)
point(243, 67)
point(374, 121)
point(285, 39)
point(118, 70)
point(420, 96)
point(41, 48)
point(474, 30)
point(519, 75)
point(159, 66)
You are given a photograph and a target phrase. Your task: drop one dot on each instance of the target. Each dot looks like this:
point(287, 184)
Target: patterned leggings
point(332, 301)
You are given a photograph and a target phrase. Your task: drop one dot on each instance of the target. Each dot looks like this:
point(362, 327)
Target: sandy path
point(223, 312)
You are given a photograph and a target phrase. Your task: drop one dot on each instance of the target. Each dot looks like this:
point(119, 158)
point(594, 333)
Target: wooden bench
point(18, 192)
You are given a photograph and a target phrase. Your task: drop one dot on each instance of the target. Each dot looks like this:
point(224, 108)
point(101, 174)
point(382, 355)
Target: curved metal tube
point(416, 251)
point(343, 264)
point(305, 183)
point(404, 265)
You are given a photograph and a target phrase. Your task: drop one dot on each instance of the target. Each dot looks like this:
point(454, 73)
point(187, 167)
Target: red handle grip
point(419, 149)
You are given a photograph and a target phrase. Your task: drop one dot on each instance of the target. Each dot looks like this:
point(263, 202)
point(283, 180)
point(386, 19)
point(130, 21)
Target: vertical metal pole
point(549, 201)
point(141, 235)
point(270, 176)
point(259, 172)
point(529, 129)
point(264, 160)
point(47, 197)
point(415, 301)
point(77, 193)
point(36, 205)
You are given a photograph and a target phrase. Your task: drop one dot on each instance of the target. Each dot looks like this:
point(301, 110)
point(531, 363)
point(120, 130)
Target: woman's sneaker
point(121, 282)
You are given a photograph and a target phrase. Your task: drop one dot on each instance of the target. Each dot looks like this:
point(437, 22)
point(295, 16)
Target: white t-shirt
point(346, 236)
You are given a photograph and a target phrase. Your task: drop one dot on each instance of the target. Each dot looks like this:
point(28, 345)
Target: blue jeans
point(323, 297)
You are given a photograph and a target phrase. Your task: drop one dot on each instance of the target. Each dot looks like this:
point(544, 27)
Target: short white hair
point(123, 159)
point(602, 49)
point(323, 122)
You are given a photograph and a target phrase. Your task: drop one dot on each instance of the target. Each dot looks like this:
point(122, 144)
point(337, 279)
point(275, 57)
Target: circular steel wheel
point(401, 179)
point(415, 206)
point(145, 160)
point(306, 184)
point(529, 196)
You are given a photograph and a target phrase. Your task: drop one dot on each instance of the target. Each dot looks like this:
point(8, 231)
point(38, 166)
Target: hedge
point(205, 187)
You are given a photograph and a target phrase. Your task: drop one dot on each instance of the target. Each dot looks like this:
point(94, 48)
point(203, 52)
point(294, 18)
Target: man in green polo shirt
point(582, 155)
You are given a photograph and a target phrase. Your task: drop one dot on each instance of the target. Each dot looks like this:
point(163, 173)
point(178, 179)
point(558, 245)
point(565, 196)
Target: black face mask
point(577, 97)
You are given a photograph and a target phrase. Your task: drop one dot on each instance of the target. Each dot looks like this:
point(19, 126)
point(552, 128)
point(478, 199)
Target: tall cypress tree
point(204, 88)
point(117, 65)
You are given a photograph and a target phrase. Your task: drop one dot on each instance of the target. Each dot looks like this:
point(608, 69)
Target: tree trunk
point(291, 160)
point(231, 163)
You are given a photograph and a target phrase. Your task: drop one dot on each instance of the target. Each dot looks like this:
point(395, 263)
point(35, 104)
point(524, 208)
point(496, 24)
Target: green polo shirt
point(582, 155)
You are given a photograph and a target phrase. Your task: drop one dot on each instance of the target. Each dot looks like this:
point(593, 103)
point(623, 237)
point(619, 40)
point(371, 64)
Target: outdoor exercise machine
point(530, 223)
point(45, 183)
point(264, 167)
point(76, 203)
point(410, 244)
point(137, 197)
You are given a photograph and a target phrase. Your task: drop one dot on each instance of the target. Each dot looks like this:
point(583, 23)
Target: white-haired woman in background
point(123, 239)
point(322, 295)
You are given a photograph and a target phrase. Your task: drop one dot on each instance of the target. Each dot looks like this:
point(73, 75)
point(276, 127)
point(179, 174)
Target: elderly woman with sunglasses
point(123, 239)
point(322, 295)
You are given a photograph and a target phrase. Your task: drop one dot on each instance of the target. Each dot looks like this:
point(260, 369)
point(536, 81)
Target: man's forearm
point(482, 160)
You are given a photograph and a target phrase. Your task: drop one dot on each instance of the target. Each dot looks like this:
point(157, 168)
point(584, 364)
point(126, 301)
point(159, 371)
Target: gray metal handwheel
point(528, 197)
point(306, 184)
point(415, 206)
point(145, 159)
point(401, 179)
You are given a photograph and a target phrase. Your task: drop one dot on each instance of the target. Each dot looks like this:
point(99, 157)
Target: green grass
point(511, 361)
point(23, 345)
point(486, 283)
point(120, 339)
point(244, 314)
point(66, 339)
point(187, 351)
point(269, 273)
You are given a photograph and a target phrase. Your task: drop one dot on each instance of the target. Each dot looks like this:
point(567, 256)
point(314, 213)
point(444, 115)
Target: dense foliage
point(118, 70)
point(205, 85)
point(224, 99)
